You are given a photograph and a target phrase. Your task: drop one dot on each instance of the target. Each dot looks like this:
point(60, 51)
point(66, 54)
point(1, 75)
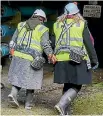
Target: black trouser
point(70, 85)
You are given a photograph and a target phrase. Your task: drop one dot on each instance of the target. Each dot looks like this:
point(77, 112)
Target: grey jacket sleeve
point(89, 46)
point(14, 39)
point(45, 43)
point(52, 39)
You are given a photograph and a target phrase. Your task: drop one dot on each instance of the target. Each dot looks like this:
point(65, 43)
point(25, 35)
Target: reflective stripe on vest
point(31, 39)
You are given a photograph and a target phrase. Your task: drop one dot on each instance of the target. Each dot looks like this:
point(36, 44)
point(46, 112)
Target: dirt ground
point(89, 100)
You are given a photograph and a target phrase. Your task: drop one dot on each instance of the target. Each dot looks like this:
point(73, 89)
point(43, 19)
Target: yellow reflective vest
point(75, 35)
point(29, 38)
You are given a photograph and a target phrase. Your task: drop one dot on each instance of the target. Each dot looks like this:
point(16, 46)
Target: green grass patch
point(89, 105)
point(98, 84)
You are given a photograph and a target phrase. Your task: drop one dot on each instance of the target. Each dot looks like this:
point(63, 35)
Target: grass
point(98, 84)
point(89, 105)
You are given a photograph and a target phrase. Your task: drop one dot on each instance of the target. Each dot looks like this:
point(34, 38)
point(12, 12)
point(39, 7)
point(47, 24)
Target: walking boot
point(65, 101)
point(68, 108)
point(29, 99)
point(12, 97)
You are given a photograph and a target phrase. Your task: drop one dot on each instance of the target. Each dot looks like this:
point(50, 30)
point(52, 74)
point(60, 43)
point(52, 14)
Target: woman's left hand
point(95, 66)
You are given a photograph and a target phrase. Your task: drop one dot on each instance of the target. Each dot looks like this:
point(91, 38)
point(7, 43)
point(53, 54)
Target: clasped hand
point(52, 58)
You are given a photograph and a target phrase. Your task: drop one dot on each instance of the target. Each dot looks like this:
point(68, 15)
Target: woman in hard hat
point(75, 55)
point(29, 41)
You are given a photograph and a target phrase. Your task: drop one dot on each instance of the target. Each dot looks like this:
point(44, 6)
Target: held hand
point(49, 56)
point(54, 59)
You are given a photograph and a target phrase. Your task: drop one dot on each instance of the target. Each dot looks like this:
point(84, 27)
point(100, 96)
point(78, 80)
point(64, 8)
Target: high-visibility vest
point(73, 37)
point(29, 38)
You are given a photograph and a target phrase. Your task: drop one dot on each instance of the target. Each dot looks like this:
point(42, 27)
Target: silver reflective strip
point(68, 32)
point(64, 30)
point(76, 39)
point(35, 42)
point(29, 39)
point(22, 24)
point(66, 40)
point(76, 47)
point(67, 27)
point(57, 25)
point(41, 28)
point(62, 49)
point(68, 48)
point(32, 41)
point(68, 37)
point(22, 39)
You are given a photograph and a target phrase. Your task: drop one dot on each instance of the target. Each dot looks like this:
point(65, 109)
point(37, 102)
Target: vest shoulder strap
point(20, 26)
point(42, 27)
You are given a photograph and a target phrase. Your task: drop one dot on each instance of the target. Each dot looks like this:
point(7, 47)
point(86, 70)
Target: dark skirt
point(70, 72)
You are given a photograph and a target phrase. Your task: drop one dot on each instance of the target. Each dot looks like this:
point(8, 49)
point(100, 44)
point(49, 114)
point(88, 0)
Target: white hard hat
point(71, 9)
point(41, 13)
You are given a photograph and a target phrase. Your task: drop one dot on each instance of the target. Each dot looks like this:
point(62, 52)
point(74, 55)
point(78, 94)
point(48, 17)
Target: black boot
point(12, 97)
point(29, 99)
point(65, 101)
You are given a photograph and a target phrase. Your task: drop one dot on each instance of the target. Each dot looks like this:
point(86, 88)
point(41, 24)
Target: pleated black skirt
point(70, 72)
